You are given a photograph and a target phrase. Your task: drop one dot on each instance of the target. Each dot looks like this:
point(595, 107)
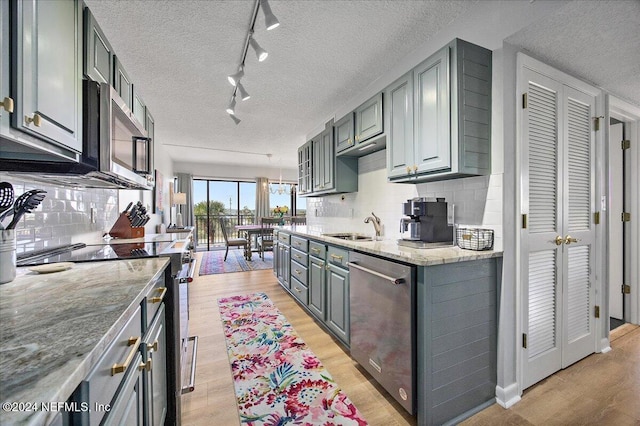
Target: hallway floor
point(602, 389)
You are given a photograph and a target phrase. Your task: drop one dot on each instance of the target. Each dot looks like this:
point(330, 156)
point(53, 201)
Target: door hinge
point(524, 100)
point(596, 218)
point(626, 289)
point(625, 144)
point(596, 123)
point(524, 221)
point(524, 340)
point(597, 311)
point(626, 217)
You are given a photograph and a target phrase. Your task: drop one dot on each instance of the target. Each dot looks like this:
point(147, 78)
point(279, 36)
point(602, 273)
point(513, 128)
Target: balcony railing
point(208, 232)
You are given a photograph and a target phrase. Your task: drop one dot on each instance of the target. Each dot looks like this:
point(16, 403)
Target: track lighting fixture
point(270, 19)
point(235, 119)
point(271, 22)
point(243, 93)
point(260, 52)
point(231, 109)
point(235, 78)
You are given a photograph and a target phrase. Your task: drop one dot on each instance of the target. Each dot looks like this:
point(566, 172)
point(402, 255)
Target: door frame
point(630, 115)
point(601, 327)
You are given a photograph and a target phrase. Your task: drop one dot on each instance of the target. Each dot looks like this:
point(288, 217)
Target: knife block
point(123, 229)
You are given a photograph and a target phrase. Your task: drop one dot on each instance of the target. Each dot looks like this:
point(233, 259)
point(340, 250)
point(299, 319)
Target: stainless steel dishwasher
point(382, 300)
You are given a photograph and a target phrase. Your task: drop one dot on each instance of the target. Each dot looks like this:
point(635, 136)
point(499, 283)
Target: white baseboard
point(507, 397)
point(605, 345)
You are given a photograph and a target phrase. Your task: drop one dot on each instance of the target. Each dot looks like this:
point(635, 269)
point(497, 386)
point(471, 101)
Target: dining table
point(251, 232)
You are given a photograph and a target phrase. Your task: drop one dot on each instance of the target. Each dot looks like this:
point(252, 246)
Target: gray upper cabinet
point(432, 139)
point(451, 117)
point(98, 53)
point(399, 124)
point(344, 132)
point(122, 83)
point(369, 119)
point(47, 70)
point(331, 174)
point(139, 110)
point(305, 183)
point(6, 101)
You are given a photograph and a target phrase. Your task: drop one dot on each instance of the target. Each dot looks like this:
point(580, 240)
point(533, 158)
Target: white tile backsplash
point(475, 201)
point(64, 216)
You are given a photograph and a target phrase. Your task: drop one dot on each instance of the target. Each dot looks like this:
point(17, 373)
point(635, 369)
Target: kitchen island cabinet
point(456, 303)
point(57, 327)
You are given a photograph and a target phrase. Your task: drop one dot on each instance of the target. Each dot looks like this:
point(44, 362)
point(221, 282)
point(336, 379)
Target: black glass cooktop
point(92, 253)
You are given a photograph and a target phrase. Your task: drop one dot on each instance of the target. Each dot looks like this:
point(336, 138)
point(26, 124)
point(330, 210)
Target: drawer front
point(126, 347)
point(299, 272)
point(299, 257)
point(284, 238)
point(153, 300)
point(317, 249)
point(299, 291)
point(338, 256)
point(299, 243)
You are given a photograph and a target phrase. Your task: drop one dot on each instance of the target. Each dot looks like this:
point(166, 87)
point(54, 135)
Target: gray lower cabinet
point(47, 81)
point(447, 132)
point(128, 385)
point(154, 348)
point(456, 307)
point(338, 301)
point(284, 265)
point(317, 288)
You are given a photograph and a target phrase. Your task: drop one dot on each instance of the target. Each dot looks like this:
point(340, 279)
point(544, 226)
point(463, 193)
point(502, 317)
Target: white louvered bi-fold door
point(558, 198)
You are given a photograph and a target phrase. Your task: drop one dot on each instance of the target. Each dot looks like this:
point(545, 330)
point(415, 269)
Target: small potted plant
point(280, 211)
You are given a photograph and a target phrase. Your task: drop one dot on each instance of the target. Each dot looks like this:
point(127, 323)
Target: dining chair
point(298, 220)
point(232, 242)
point(265, 240)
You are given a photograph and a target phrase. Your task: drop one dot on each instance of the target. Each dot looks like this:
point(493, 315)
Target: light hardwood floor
point(602, 389)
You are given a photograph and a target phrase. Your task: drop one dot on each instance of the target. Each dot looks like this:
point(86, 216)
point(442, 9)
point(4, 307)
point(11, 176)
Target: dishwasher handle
point(395, 281)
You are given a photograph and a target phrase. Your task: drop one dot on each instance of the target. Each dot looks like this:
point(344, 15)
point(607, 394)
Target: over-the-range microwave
point(116, 151)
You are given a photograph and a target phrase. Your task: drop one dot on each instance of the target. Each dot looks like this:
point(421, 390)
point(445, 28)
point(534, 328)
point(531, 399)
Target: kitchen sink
point(349, 236)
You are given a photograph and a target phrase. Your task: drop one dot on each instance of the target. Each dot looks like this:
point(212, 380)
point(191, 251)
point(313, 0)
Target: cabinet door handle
point(297, 256)
point(349, 141)
point(121, 368)
point(315, 250)
point(145, 366)
point(408, 169)
point(7, 104)
point(36, 120)
point(336, 257)
point(158, 299)
point(415, 168)
point(357, 138)
point(297, 271)
point(152, 346)
point(297, 289)
point(558, 240)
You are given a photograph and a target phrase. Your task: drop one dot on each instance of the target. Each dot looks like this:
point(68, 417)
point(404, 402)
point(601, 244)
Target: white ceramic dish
point(48, 268)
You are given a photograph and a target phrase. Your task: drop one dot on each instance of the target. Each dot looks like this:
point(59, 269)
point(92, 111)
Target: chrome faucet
point(376, 222)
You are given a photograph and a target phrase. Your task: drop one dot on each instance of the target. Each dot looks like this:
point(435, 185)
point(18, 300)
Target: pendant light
point(234, 79)
point(231, 109)
point(235, 119)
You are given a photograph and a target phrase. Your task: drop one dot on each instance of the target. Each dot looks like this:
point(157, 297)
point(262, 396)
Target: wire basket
point(474, 238)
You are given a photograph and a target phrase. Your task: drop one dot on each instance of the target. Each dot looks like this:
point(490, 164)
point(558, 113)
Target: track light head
point(270, 19)
point(231, 109)
point(235, 119)
point(235, 78)
point(243, 93)
point(260, 52)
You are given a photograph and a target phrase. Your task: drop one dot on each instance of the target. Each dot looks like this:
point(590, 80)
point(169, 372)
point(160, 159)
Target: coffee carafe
point(425, 223)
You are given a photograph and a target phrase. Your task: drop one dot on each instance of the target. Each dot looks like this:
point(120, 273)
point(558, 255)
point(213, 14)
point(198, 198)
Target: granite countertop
point(56, 326)
point(391, 250)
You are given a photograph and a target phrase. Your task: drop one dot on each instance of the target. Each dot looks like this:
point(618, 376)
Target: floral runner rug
point(278, 380)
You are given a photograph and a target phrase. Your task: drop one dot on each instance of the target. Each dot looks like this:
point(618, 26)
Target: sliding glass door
point(215, 199)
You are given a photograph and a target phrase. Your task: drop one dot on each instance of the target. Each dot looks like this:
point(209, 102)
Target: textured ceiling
point(325, 52)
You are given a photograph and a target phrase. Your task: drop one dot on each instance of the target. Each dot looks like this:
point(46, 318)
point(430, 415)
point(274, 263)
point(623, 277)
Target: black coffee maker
point(426, 224)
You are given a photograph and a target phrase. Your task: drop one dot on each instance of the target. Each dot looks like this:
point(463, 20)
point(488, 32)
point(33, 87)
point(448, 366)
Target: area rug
point(213, 262)
point(278, 380)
